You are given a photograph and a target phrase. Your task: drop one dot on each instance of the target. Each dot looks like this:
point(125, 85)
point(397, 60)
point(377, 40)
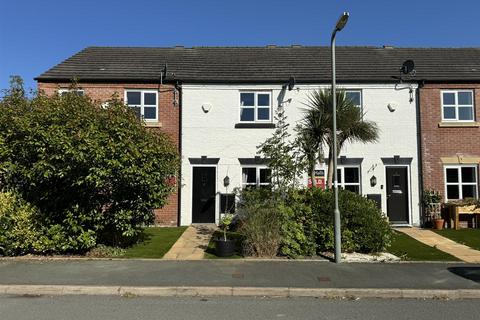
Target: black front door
point(203, 198)
point(397, 194)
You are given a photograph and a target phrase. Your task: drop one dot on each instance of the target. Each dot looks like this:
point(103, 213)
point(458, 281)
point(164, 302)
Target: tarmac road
point(232, 308)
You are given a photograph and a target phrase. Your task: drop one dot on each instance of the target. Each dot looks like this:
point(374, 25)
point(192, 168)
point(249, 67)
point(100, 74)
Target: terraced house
point(218, 104)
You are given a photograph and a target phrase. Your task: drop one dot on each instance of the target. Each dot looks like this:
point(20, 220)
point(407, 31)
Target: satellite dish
point(407, 67)
point(291, 83)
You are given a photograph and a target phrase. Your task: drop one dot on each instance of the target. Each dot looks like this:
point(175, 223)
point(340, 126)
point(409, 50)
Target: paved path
point(451, 247)
point(192, 244)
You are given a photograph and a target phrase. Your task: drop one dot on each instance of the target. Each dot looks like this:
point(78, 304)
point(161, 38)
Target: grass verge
point(468, 237)
point(210, 251)
point(155, 243)
point(410, 249)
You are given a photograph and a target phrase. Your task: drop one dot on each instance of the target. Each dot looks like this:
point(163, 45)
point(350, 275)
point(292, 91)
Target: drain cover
point(323, 279)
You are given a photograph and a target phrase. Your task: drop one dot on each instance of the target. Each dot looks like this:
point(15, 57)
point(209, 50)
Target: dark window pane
point(265, 175)
point(448, 98)
point(452, 175)
point(247, 114)
point(263, 114)
point(452, 192)
point(351, 175)
point(263, 99)
point(133, 98)
point(449, 112)
point(355, 189)
point(137, 111)
point(150, 99)
point(354, 97)
point(469, 191)
point(469, 174)
point(339, 176)
point(150, 112)
point(465, 98)
point(249, 175)
point(465, 113)
point(247, 99)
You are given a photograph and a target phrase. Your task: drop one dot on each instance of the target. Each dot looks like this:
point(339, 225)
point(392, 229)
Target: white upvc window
point(256, 176)
point(255, 106)
point(144, 102)
point(349, 178)
point(461, 181)
point(355, 96)
point(457, 105)
point(64, 91)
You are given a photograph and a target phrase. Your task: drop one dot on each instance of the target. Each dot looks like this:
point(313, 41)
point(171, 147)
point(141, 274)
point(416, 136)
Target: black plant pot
point(224, 248)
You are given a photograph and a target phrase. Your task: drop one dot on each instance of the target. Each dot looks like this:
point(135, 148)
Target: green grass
point(155, 243)
point(210, 252)
point(410, 249)
point(468, 237)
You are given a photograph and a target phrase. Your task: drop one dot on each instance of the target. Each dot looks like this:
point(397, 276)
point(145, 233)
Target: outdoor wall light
point(373, 181)
point(226, 181)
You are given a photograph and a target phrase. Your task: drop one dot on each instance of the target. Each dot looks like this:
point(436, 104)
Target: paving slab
point(192, 243)
point(449, 246)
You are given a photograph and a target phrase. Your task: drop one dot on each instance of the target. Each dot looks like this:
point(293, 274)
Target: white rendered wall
point(212, 134)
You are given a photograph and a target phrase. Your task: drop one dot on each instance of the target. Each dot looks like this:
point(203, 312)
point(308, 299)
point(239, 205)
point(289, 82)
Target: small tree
point(88, 169)
point(282, 154)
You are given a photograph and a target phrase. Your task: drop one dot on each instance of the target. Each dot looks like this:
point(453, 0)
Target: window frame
point(142, 103)
point(257, 176)
point(460, 183)
point(456, 105)
point(255, 106)
point(342, 183)
point(361, 96)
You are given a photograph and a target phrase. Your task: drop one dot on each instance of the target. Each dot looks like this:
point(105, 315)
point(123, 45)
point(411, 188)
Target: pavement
point(192, 243)
point(239, 278)
point(451, 247)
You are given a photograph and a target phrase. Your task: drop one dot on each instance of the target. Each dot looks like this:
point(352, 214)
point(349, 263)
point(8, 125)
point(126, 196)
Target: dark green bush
point(98, 173)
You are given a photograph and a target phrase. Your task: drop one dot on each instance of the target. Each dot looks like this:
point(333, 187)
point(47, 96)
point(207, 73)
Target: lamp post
point(342, 21)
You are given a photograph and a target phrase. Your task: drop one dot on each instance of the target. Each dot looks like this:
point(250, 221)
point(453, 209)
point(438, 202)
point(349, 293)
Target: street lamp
point(342, 21)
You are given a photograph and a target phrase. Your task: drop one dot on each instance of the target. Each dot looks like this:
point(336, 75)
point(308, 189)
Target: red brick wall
point(440, 142)
point(169, 117)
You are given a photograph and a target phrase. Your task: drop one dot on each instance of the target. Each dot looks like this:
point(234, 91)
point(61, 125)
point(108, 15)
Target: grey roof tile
point(265, 64)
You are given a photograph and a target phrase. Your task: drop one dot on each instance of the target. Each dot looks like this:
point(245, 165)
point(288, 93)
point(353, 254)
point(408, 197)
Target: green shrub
point(96, 172)
point(261, 223)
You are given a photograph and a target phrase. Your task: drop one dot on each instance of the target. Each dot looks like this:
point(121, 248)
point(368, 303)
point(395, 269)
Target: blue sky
point(35, 35)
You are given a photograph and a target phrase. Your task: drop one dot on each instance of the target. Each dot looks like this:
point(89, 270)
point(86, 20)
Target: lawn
point(156, 242)
point(210, 252)
point(468, 237)
point(410, 249)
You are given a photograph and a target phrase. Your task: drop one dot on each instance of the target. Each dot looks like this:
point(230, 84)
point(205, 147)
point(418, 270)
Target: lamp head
point(342, 21)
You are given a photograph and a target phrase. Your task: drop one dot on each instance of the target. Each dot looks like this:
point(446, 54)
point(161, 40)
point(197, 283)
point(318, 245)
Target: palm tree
point(318, 122)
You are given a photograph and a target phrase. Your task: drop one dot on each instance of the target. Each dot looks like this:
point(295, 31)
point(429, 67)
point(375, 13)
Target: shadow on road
point(470, 273)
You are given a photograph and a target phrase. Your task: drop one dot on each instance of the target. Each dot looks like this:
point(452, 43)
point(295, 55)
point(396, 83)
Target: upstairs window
point(255, 107)
point(457, 105)
point(461, 182)
point(256, 177)
point(355, 96)
point(144, 102)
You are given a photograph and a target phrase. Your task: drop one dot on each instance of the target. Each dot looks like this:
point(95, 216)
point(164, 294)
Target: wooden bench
point(456, 211)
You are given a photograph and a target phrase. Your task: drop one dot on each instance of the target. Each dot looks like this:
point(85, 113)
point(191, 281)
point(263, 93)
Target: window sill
point(153, 124)
point(471, 124)
point(255, 125)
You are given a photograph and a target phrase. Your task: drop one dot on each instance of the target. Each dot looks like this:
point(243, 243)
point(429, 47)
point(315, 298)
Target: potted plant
point(432, 200)
point(225, 247)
